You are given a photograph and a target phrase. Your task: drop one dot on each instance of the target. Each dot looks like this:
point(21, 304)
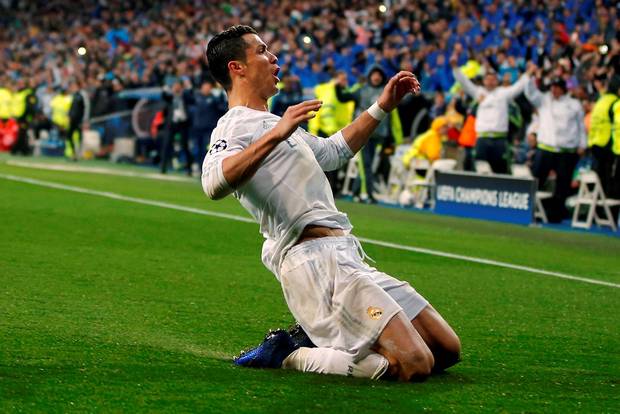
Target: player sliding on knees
point(353, 319)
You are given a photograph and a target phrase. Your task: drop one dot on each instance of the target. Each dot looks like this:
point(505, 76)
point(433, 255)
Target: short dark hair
point(560, 83)
point(224, 48)
point(614, 84)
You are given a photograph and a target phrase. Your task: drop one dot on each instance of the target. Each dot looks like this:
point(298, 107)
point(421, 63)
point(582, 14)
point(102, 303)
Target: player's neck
point(247, 98)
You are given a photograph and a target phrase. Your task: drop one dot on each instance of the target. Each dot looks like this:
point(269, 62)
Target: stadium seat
point(91, 143)
point(415, 125)
point(398, 174)
point(422, 188)
point(124, 148)
point(591, 196)
point(350, 176)
point(483, 167)
point(523, 171)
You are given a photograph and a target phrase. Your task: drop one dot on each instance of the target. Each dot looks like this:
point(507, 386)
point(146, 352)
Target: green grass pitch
point(112, 306)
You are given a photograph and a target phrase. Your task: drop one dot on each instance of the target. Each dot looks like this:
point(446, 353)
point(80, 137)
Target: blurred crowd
point(98, 49)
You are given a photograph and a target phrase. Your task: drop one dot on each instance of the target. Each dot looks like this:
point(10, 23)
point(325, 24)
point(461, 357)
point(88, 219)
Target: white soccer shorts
point(339, 300)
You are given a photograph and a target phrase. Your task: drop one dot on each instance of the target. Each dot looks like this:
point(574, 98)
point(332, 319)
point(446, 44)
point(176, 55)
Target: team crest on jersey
point(220, 145)
point(374, 312)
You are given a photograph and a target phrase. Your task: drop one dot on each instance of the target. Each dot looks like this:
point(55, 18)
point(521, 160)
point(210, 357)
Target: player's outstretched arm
point(240, 167)
point(356, 134)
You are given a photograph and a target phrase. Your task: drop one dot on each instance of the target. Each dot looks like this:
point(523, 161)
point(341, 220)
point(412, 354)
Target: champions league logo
point(220, 145)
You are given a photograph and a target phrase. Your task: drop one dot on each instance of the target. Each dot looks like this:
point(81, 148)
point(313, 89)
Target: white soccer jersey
point(289, 191)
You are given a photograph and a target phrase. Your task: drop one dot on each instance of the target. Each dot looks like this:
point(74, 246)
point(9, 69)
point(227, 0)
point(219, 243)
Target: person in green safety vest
point(331, 118)
point(599, 137)
point(6, 100)
point(384, 136)
point(23, 106)
point(614, 179)
point(61, 105)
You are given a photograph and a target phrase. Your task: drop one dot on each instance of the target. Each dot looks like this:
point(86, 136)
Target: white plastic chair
point(124, 147)
point(591, 196)
point(523, 171)
point(483, 167)
point(422, 188)
point(350, 175)
point(91, 141)
point(398, 174)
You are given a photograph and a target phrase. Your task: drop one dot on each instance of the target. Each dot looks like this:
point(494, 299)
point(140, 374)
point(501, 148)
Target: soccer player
point(363, 322)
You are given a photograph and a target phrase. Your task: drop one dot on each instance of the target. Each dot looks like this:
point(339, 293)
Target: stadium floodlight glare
point(81, 51)
point(603, 49)
point(307, 39)
point(382, 8)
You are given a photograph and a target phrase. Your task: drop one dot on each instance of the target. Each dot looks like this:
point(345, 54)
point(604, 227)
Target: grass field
point(107, 304)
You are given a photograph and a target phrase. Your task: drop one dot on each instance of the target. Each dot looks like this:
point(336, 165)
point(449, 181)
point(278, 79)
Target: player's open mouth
point(275, 74)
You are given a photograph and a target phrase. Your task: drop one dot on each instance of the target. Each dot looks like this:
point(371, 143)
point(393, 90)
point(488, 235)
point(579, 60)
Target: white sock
point(332, 361)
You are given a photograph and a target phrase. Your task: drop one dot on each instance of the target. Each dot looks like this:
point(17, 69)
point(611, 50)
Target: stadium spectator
point(439, 105)
point(332, 117)
point(560, 141)
point(208, 106)
point(290, 94)
point(614, 179)
point(24, 108)
point(61, 105)
point(386, 135)
point(6, 99)
point(492, 115)
point(429, 145)
point(111, 46)
point(599, 138)
point(77, 112)
point(177, 123)
point(308, 246)
point(467, 138)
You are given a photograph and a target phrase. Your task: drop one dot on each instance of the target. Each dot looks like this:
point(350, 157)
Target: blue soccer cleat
point(300, 337)
point(276, 346)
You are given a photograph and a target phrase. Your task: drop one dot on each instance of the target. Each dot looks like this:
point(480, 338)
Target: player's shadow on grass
point(437, 383)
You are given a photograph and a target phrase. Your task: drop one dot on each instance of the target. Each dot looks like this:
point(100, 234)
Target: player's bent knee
point(447, 354)
point(453, 349)
point(416, 368)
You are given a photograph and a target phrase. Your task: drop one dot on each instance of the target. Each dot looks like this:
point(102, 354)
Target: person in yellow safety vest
point(23, 106)
point(61, 104)
point(429, 144)
point(382, 139)
point(331, 118)
point(7, 123)
point(614, 179)
point(599, 137)
point(334, 114)
point(6, 101)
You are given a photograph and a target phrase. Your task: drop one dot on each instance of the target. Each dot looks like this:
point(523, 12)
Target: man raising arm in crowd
point(492, 115)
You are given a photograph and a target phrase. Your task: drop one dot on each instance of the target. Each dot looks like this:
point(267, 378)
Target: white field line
point(421, 250)
point(99, 170)
point(115, 196)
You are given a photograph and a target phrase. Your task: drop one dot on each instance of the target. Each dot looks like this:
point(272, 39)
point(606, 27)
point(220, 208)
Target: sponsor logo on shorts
point(374, 312)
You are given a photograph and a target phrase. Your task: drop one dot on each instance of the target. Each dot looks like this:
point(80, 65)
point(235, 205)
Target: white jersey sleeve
point(331, 153)
point(214, 183)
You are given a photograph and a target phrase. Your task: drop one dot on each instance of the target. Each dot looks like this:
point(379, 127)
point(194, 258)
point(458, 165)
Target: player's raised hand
point(296, 115)
point(397, 87)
